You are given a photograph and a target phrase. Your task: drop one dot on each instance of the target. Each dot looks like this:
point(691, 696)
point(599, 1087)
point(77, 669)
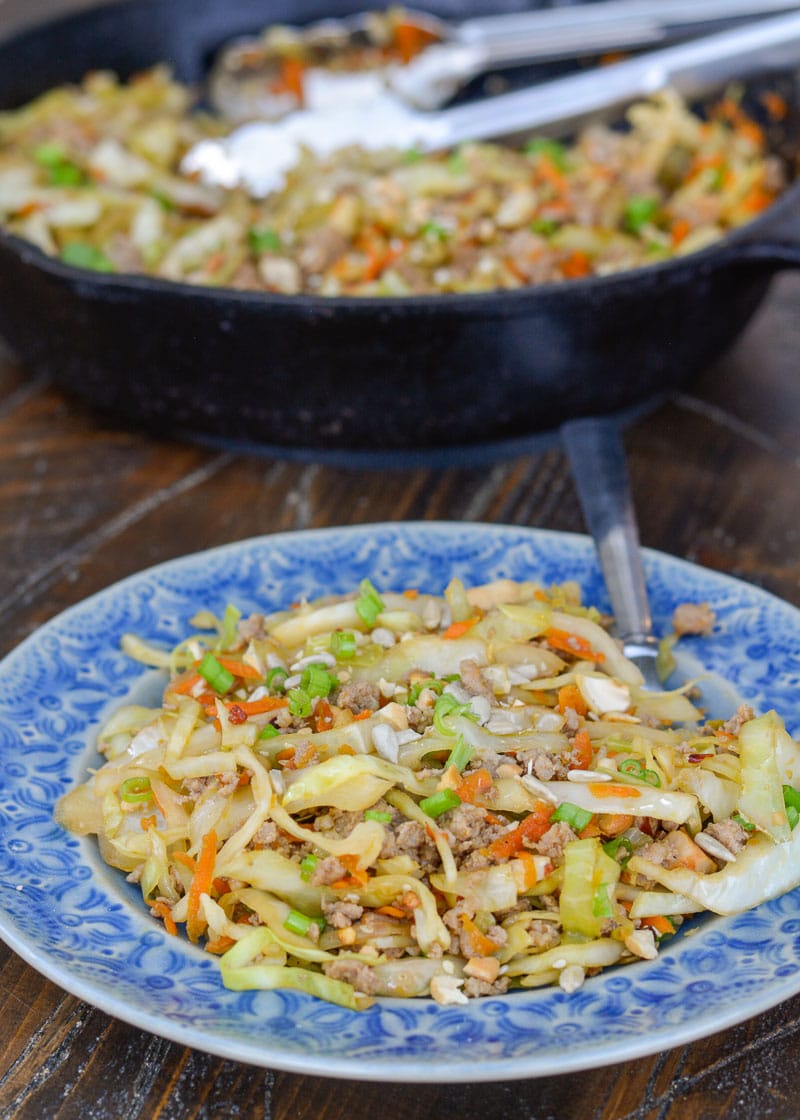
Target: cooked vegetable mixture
point(272, 72)
point(407, 794)
point(91, 175)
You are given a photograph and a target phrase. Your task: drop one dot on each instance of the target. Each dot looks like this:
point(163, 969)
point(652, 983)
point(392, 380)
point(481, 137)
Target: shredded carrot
point(411, 593)
point(258, 707)
point(659, 924)
point(323, 716)
point(237, 667)
point(356, 876)
point(576, 265)
point(184, 683)
point(541, 596)
point(572, 643)
point(581, 751)
point(391, 911)
point(184, 859)
point(459, 629)
point(410, 39)
point(221, 886)
point(532, 828)
point(291, 78)
point(345, 748)
point(148, 822)
point(201, 884)
point(610, 789)
point(474, 784)
point(478, 944)
point(529, 863)
point(570, 696)
point(363, 715)
point(221, 945)
point(161, 909)
point(756, 200)
point(776, 106)
point(679, 230)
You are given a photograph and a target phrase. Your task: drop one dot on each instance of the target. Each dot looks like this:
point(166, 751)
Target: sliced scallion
point(134, 790)
point(220, 679)
point(572, 815)
point(460, 755)
point(369, 603)
point(307, 866)
point(377, 815)
point(299, 703)
point(440, 802)
point(317, 681)
point(276, 678)
point(343, 644)
point(299, 923)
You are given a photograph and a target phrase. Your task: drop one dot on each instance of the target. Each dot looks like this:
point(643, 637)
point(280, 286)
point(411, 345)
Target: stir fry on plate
point(411, 794)
point(91, 175)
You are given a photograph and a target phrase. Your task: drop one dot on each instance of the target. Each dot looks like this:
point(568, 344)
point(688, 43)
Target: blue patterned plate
point(83, 926)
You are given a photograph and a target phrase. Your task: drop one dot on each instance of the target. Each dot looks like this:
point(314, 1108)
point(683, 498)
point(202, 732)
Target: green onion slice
point(136, 789)
point(317, 681)
point(276, 677)
point(80, 255)
point(377, 815)
point(572, 815)
point(460, 755)
point(343, 644)
point(215, 674)
point(299, 703)
point(440, 802)
point(299, 923)
point(369, 603)
point(307, 866)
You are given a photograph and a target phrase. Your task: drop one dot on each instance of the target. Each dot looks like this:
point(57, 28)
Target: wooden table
point(716, 478)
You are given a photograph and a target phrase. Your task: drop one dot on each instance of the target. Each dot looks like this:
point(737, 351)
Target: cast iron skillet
point(388, 375)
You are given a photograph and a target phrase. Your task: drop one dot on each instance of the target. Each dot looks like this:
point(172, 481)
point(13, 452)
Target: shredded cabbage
point(402, 794)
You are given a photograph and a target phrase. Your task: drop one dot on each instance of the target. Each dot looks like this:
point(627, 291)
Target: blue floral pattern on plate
point(78, 921)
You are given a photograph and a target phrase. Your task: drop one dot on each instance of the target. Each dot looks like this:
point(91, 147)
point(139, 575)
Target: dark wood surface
point(83, 503)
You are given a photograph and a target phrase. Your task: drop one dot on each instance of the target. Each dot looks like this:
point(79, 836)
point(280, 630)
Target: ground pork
point(467, 829)
point(555, 840)
point(340, 913)
point(730, 834)
point(473, 680)
point(543, 765)
point(327, 871)
point(411, 839)
point(743, 714)
point(340, 821)
point(360, 975)
point(359, 696)
point(475, 987)
point(251, 627)
point(543, 935)
point(693, 618)
point(268, 835)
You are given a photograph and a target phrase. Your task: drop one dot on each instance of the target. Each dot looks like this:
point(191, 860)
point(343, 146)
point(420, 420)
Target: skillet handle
point(773, 254)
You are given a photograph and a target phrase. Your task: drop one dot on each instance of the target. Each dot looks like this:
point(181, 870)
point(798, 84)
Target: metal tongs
point(258, 155)
point(243, 78)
